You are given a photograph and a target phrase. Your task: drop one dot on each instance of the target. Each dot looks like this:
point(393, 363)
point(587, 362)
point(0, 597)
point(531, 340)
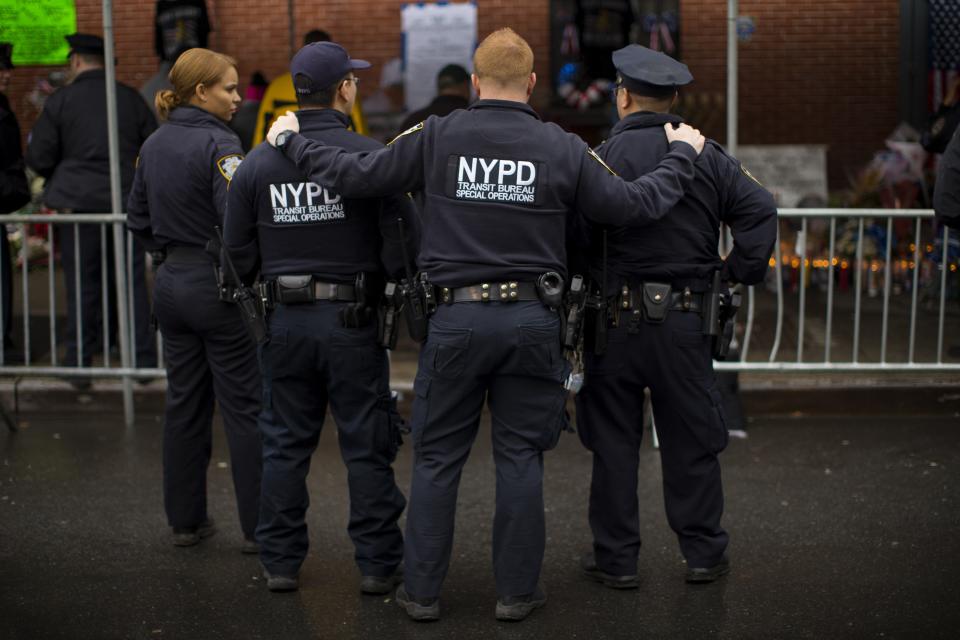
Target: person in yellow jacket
point(280, 98)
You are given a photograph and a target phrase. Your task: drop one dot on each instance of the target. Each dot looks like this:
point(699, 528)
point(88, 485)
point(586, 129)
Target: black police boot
point(588, 564)
point(281, 584)
point(380, 585)
point(419, 609)
point(189, 536)
point(703, 575)
point(249, 546)
point(517, 608)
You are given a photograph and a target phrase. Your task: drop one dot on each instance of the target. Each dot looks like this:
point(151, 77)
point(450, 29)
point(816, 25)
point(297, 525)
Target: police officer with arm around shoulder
point(323, 260)
point(657, 324)
point(498, 188)
point(176, 207)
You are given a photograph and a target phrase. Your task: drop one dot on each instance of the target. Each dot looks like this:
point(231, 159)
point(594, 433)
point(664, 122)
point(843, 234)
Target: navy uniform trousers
point(674, 360)
point(508, 354)
point(312, 360)
point(209, 356)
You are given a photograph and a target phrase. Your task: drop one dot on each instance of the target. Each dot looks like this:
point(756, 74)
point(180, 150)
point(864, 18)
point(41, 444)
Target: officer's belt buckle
point(334, 292)
point(446, 295)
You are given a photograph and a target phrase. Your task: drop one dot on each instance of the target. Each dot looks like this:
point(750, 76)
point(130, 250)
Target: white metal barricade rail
point(126, 368)
point(828, 361)
point(112, 235)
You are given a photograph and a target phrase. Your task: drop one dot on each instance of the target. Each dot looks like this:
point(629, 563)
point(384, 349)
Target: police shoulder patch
point(744, 171)
point(228, 165)
point(415, 128)
point(593, 154)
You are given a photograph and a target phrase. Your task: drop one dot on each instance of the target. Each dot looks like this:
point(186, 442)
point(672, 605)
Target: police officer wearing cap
point(658, 287)
point(176, 206)
point(499, 187)
point(69, 147)
point(323, 259)
point(14, 193)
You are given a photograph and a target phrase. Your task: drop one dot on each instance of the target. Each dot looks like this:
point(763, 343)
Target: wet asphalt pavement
point(841, 527)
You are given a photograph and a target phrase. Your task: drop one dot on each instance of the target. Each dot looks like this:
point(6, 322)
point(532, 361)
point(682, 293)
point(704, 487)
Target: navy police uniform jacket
point(281, 223)
point(14, 191)
point(498, 186)
point(69, 142)
point(946, 193)
point(176, 208)
point(683, 245)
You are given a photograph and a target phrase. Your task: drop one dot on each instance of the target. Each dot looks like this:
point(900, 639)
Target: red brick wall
point(814, 72)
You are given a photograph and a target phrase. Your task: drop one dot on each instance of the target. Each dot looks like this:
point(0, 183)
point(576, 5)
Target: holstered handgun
point(720, 307)
point(248, 302)
point(575, 307)
point(388, 316)
point(414, 308)
point(416, 294)
point(356, 314)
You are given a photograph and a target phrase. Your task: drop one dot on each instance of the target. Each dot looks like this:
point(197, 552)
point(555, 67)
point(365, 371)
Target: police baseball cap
point(649, 73)
point(323, 64)
point(85, 43)
point(6, 55)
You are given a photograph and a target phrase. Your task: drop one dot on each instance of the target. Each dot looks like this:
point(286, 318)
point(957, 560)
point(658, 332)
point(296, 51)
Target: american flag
point(944, 49)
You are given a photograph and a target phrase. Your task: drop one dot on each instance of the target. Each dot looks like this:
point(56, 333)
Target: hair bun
point(166, 101)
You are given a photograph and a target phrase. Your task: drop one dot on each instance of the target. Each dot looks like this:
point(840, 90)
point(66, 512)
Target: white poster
point(791, 172)
point(435, 35)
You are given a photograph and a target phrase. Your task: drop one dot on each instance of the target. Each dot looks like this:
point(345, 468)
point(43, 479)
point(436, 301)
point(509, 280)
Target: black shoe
point(189, 536)
point(516, 608)
point(380, 585)
point(249, 547)
point(703, 575)
point(588, 564)
point(280, 584)
point(419, 609)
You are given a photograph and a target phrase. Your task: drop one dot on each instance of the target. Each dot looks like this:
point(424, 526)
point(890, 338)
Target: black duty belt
point(510, 291)
point(684, 300)
point(181, 254)
point(312, 292)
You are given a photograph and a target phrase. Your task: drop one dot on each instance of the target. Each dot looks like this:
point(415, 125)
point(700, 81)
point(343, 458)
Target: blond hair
point(504, 57)
point(194, 67)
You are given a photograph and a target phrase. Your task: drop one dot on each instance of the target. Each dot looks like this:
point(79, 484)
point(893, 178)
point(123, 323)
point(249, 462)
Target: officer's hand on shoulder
point(683, 133)
point(286, 122)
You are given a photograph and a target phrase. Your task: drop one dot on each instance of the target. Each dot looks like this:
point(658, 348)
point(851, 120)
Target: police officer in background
point(659, 282)
point(498, 189)
point(323, 260)
point(178, 201)
point(69, 147)
point(14, 193)
point(453, 92)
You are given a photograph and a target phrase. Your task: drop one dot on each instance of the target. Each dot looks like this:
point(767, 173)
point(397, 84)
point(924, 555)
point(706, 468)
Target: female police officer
point(178, 199)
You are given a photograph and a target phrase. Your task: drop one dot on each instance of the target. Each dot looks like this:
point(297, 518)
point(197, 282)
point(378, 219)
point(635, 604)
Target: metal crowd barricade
point(829, 360)
point(126, 368)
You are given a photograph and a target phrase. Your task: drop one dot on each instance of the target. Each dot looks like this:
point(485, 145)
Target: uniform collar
point(644, 120)
point(90, 74)
point(504, 104)
point(457, 101)
point(192, 116)
point(322, 119)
